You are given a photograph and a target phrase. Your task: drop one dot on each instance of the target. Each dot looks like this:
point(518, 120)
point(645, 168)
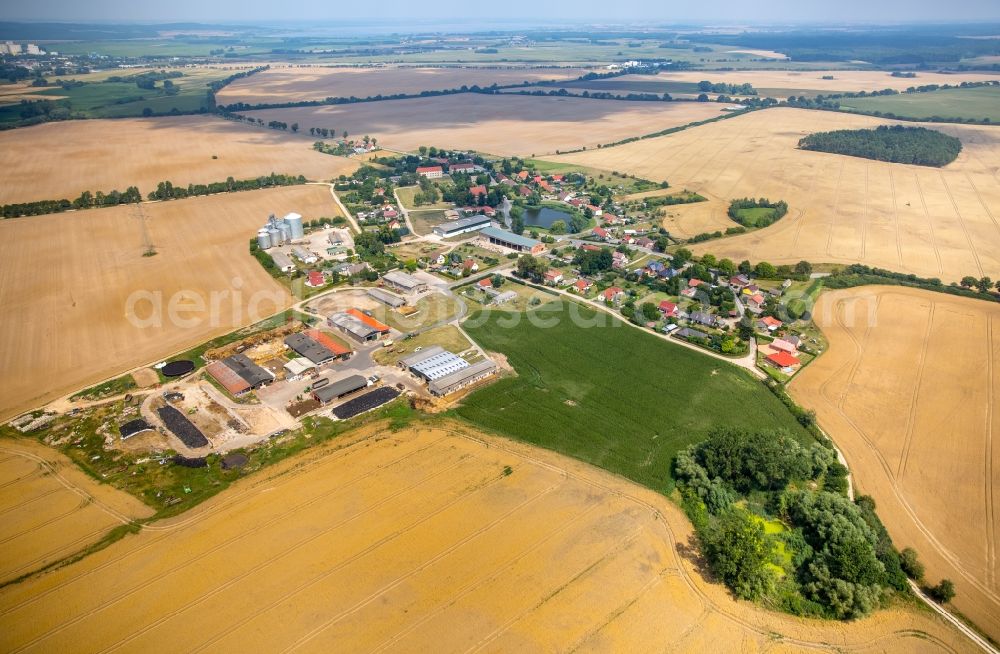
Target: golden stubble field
point(496, 124)
point(296, 83)
point(66, 281)
point(61, 160)
point(425, 539)
point(932, 222)
point(50, 509)
point(781, 83)
point(908, 390)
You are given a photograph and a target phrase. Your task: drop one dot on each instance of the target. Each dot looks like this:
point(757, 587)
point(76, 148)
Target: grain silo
point(294, 222)
point(263, 239)
point(275, 234)
point(286, 232)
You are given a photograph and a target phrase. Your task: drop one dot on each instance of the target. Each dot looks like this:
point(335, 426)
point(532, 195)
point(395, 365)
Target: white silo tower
point(286, 232)
point(263, 239)
point(294, 222)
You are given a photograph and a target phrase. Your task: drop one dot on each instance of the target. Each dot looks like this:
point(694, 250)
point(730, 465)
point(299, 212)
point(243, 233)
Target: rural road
point(958, 624)
point(347, 214)
point(405, 212)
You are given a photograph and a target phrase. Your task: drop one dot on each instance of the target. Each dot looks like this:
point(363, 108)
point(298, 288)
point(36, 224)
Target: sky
point(467, 14)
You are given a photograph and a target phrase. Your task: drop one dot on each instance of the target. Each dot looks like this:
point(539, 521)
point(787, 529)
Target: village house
point(583, 286)
point(476, 191)
point(768, 323)
point(668, 309)
point(484, 283)
point(644, 242)
point(600, 233)
point(614, 295)
point(756, 303)
point(553, 277)
point(783, 360)
point(784, 345)
point(430, 172)
point(619, 260)
point(470, 265)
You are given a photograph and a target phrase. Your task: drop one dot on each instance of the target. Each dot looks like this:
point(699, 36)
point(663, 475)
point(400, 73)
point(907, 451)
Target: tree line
point(737, 207)
point(87, 200)
point(164, 191)
point(167, 191)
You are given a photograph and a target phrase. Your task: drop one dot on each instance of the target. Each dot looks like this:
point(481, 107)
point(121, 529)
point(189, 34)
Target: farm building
point(501, 297)
point(463, 167)
point(339, 389)
point(315, 278)
point(387, 299)
point(462, 226)
point(461, 378)
point(282, 261)
point(433, 363)
point(688, 333)
point(339, 350)
point(227, 377)
point(298, 367)
point(248, 370)
point(304, 255)
point(308, 347)
point(784, 345)
point(358, 326)
point(403, 282)
point(512, 241)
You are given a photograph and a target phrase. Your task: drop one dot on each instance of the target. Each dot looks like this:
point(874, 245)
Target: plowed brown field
point(296, 83)
point(62, 160)
point(908, 389)
point(496, 124)
point(933, 222)
point(421, 540)
point(49, 509)
point(66, 279)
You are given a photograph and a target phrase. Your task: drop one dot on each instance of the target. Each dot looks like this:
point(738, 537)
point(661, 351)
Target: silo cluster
point(278, 232)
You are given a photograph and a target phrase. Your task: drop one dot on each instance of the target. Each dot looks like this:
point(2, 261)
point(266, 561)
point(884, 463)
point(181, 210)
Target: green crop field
point(976, 103)
point(750, 217)
point(611, 395)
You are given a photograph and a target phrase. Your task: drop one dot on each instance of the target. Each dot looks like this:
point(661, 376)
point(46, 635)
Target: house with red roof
point(783, 360)
point(523, 175)
point(613, 294)
point(756, 302)
point(485, 283)
point(597, 211)
point(390, 213)
point(668, 309)
point(524, 191)
point(464, 167)
point(583, 285)
point(478, 190)
point(315, 278)
point(470, 265)
point(430, 172)
point(553, 277)
point(600, 233)
point(590, 247)
point(545, 186)
point(769, 323)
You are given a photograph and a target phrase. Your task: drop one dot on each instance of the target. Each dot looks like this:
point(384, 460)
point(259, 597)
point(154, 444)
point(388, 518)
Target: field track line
point(34, 473)
point(426, 564)
point(930, 223)
point(285, 479)
point(911, 417)
point(605, 557)
point(693, 183)
point(282, 555)
point(30, 500)
point(961, 221)
point(864, 215)
point(799, 219)
point(678, 644)
point(497, 572)
point(49, 469)
point(989, 212)
point(895, 215)
point(82, 505)
point(746, 166)
point(936, 544)
point(836, 210)
point(621, 608)
point(30, 565)
point(991, 523)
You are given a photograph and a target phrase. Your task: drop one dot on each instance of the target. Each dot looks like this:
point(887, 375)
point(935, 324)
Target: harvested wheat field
point(297, 83)
point(928, 221)
point(101, 155)
point(67, 279)
point(782, 83)
point(908, 389)
point(424, 539)
point(496, 124)
point(51, 509)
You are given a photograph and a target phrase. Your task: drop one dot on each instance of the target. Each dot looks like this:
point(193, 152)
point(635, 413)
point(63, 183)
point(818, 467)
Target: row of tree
point(87, 200)
point(167, 191)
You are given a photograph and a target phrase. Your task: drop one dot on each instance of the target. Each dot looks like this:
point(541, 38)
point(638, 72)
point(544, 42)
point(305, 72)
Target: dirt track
point(908, 390)
point(420, 540)
point(496, 124)
point(933, 222)
point(49, 509)
point(67, 279)
point(61, 160)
